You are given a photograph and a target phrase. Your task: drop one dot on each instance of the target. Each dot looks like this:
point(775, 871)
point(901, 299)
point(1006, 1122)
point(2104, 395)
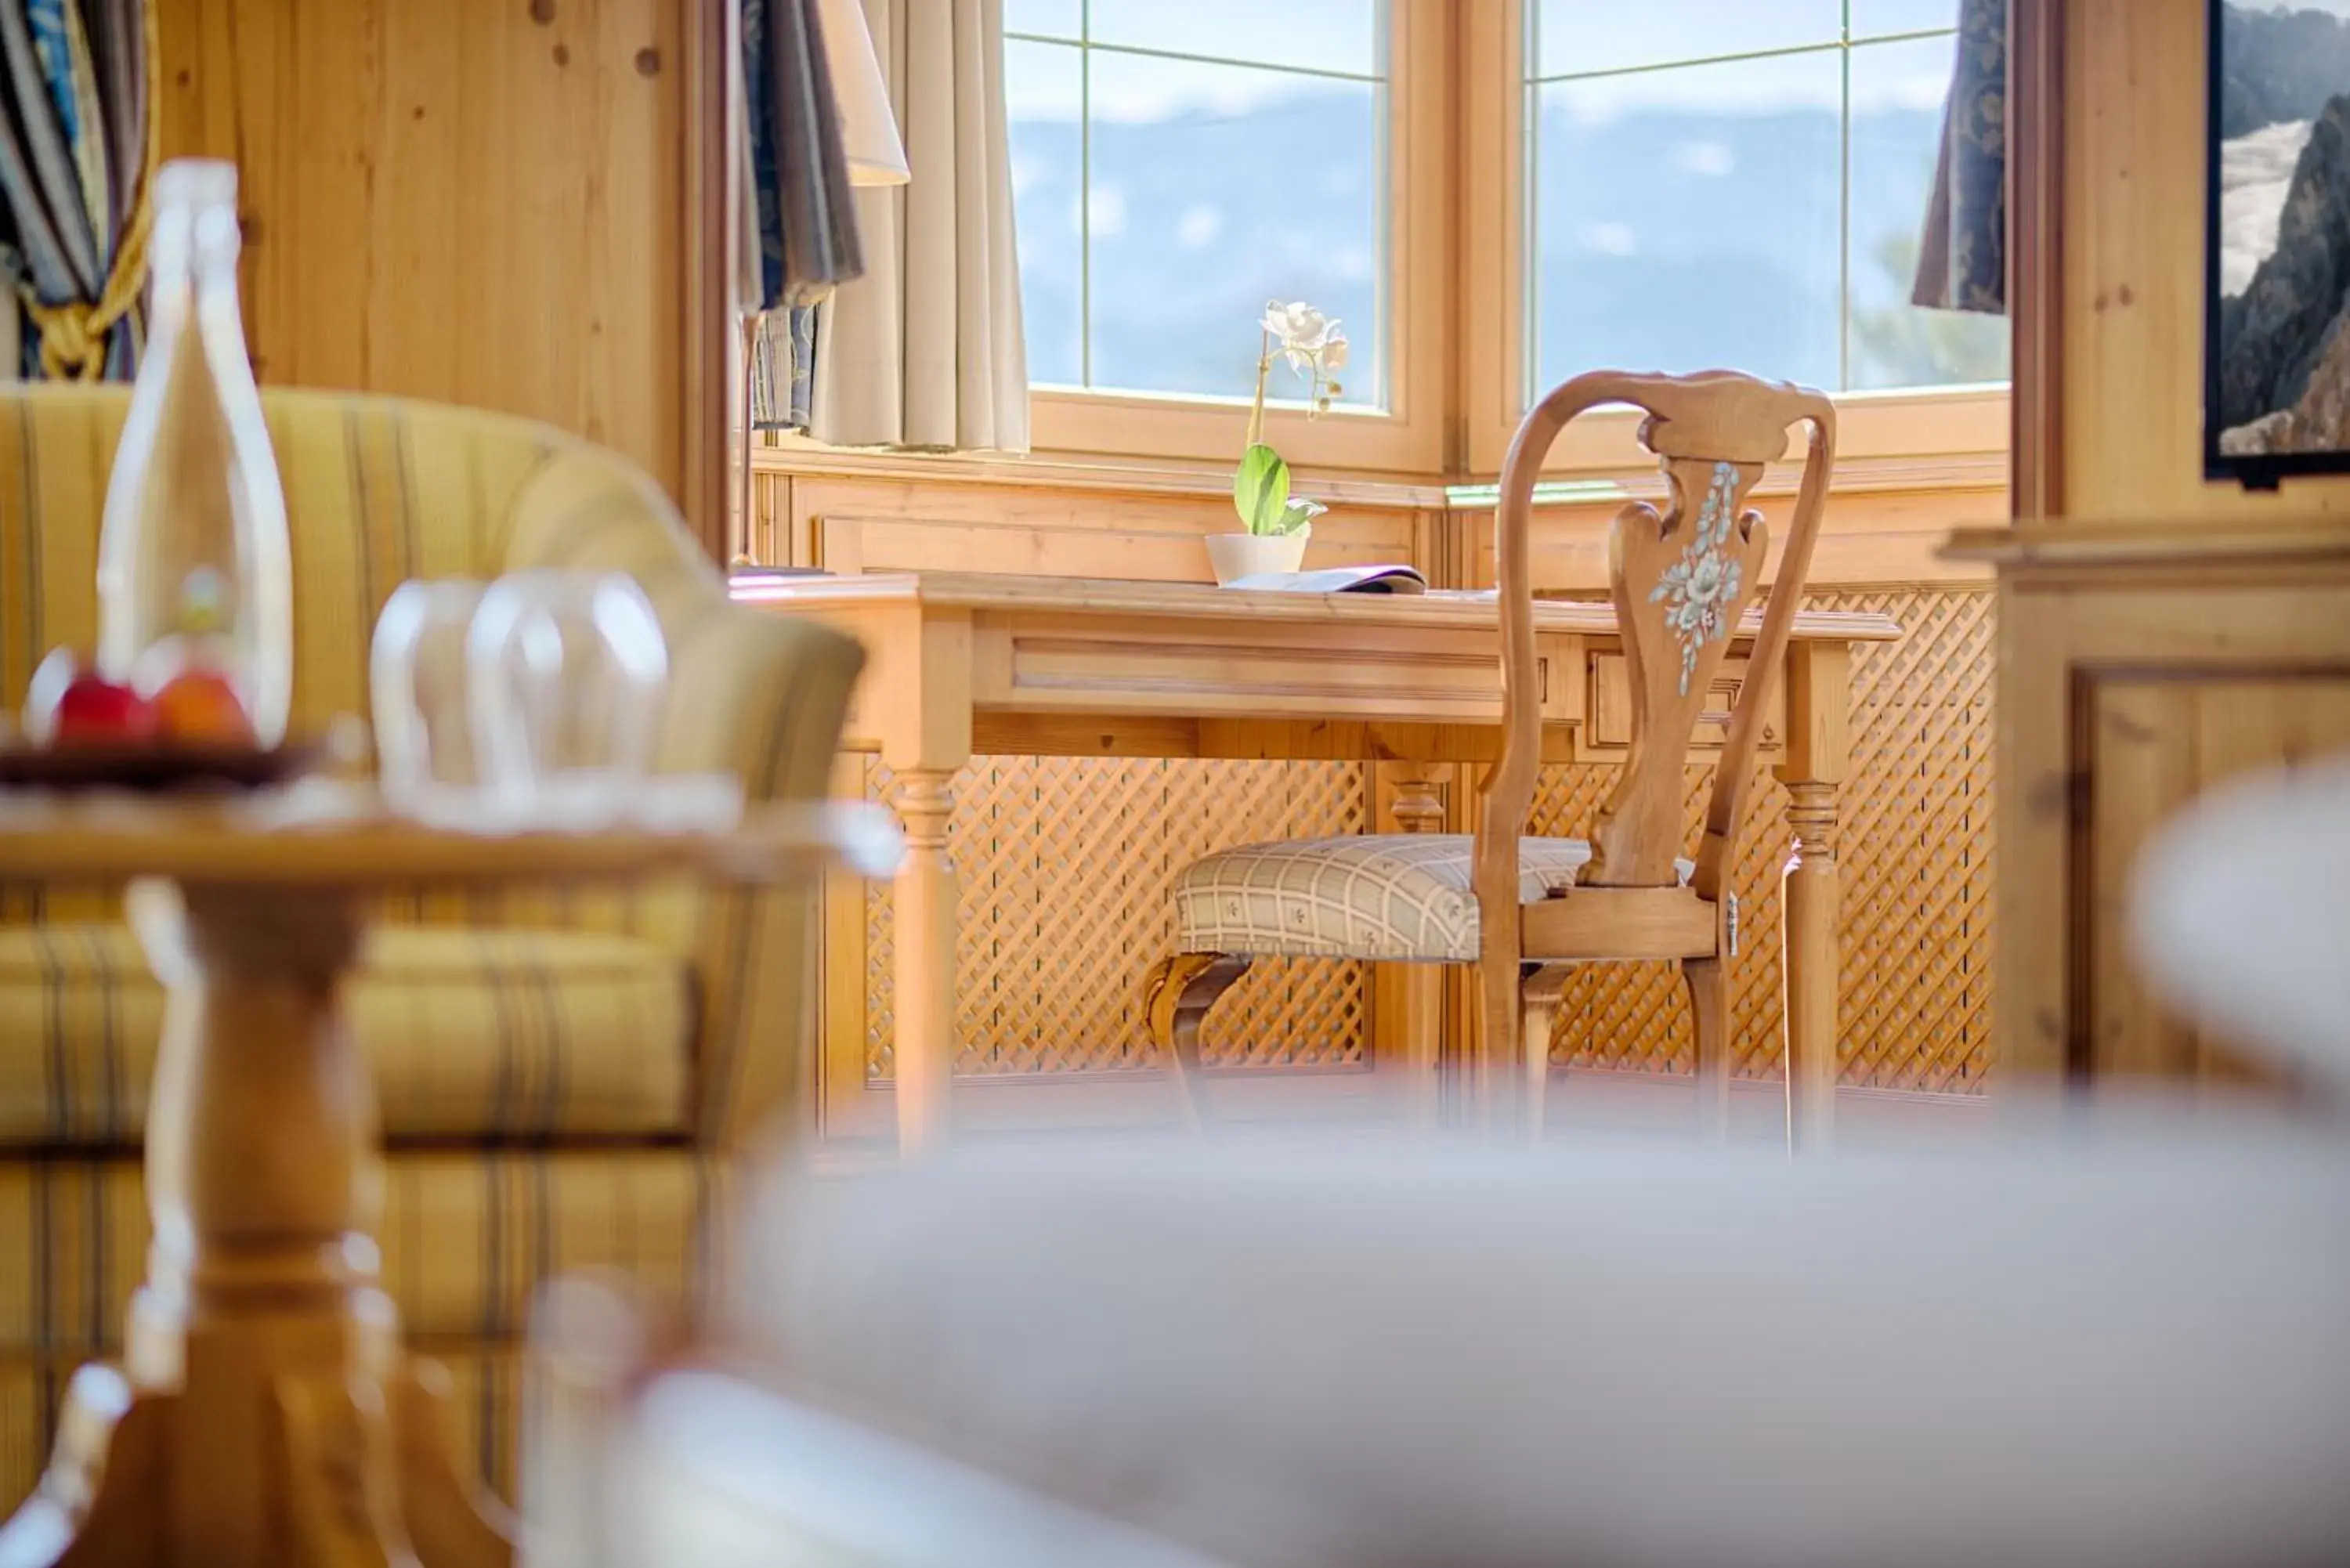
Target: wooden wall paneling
point(497, 204)
point(2036, 254)
point(708, 217)
point(882, 525)
point(1871, 541)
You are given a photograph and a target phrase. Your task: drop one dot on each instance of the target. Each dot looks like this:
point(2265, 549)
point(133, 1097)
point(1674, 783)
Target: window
point(1175, 166)
point(1493, 194)
point(1712, 183)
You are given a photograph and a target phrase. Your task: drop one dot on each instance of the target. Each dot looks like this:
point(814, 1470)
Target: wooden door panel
point(2154, 746)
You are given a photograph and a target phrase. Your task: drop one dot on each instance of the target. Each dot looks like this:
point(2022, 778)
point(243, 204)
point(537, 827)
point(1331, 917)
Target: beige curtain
point(925, 350)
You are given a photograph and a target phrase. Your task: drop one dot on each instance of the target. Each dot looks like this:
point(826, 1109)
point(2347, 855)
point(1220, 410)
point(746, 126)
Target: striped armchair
point(562, 1076)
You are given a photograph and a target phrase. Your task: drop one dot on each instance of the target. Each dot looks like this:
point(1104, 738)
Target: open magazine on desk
point(1386, 579)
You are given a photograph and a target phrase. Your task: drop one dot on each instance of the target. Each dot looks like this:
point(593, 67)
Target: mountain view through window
point(1176, 166)
point(1725, 184)
point(1709, 182)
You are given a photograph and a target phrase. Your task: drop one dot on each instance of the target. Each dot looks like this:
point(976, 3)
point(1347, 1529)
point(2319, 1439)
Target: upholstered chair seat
point(1395, 897)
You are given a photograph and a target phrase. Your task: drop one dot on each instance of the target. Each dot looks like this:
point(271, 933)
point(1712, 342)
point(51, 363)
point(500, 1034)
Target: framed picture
point(2276, 349)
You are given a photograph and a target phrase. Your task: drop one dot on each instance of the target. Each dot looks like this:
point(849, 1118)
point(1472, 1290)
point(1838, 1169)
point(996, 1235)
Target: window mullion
point(1529, 207)
point(1084, 193)
point(1844, 210)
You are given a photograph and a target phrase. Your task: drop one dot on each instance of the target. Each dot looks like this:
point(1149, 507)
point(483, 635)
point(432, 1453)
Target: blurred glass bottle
point(195, 575)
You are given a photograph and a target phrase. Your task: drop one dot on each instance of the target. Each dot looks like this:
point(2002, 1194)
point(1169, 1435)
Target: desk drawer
point(1611, 728)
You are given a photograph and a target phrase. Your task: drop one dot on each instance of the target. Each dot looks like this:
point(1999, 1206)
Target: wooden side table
point(264, 1411)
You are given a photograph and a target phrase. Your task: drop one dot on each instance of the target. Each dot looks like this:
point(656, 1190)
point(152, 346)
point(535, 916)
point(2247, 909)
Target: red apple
point(71, 703)
point(98, 711)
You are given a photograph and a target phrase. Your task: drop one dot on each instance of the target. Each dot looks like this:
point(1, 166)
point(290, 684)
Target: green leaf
point(1261, 489)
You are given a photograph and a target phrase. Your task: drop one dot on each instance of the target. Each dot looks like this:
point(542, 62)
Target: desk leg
point(1819, 749)
point(925, 938)
point(1410, 996)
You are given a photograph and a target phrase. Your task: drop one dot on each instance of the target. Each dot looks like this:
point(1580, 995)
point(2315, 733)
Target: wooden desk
point(968, 664)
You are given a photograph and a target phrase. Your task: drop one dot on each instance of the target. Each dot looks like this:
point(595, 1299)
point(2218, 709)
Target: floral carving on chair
point(1699, 590)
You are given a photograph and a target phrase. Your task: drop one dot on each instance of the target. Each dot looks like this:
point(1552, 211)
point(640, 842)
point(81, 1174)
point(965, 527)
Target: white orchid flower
point(1298, 326)
point(1334, 350)
point(1300, 332)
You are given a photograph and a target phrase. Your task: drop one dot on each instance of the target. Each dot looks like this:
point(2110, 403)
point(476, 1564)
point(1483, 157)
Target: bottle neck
point(191, 263)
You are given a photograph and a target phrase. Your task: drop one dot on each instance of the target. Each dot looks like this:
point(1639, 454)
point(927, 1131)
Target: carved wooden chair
point(1526, 909)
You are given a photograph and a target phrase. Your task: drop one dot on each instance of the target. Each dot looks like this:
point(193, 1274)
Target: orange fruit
point(202, 705)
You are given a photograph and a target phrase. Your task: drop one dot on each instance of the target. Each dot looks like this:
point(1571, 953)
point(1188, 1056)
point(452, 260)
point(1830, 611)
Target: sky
point(1571, 37)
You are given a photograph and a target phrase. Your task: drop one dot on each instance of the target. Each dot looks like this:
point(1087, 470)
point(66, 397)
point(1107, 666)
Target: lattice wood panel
point(1065, 868)
point(1914, 842)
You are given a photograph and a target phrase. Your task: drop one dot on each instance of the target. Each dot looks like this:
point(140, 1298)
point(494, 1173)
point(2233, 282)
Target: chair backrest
point(378, 491)
point(1681, 579)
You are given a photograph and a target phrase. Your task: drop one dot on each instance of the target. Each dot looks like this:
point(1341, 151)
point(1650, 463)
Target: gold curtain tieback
point(73, 331)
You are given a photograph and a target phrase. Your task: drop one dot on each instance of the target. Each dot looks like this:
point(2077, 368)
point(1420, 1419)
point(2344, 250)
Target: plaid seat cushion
point(1390, 895)
point(472, 1032)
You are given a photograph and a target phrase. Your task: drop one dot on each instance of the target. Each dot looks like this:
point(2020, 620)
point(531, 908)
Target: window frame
point(1949, 435)
point(1406, 435)
point(1455, 314)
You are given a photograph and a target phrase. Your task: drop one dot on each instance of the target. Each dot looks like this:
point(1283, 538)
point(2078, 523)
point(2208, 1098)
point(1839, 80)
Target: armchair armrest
point(762, 697)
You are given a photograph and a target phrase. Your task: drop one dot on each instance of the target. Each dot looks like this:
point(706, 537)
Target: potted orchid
point(1278, 524)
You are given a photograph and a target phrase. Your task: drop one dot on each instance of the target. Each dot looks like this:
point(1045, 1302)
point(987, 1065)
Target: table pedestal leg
point(265, 1413)
point(1818, 755)
point(924, 933)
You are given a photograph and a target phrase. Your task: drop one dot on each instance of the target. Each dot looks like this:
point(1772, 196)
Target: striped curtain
point(76, 150)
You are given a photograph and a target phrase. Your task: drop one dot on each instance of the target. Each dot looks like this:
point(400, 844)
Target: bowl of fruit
point(179, 722)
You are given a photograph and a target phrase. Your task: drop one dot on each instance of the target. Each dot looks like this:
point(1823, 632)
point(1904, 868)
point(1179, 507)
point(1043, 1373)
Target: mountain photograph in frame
point(2277, 253)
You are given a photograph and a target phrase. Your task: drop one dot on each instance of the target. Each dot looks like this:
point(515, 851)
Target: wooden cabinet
point(2139, 665)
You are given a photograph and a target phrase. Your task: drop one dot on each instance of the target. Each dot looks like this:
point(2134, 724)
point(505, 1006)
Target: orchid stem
point(1264, 368)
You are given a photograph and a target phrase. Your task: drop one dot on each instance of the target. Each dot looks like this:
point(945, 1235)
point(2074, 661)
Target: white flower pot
point(1235, 555)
